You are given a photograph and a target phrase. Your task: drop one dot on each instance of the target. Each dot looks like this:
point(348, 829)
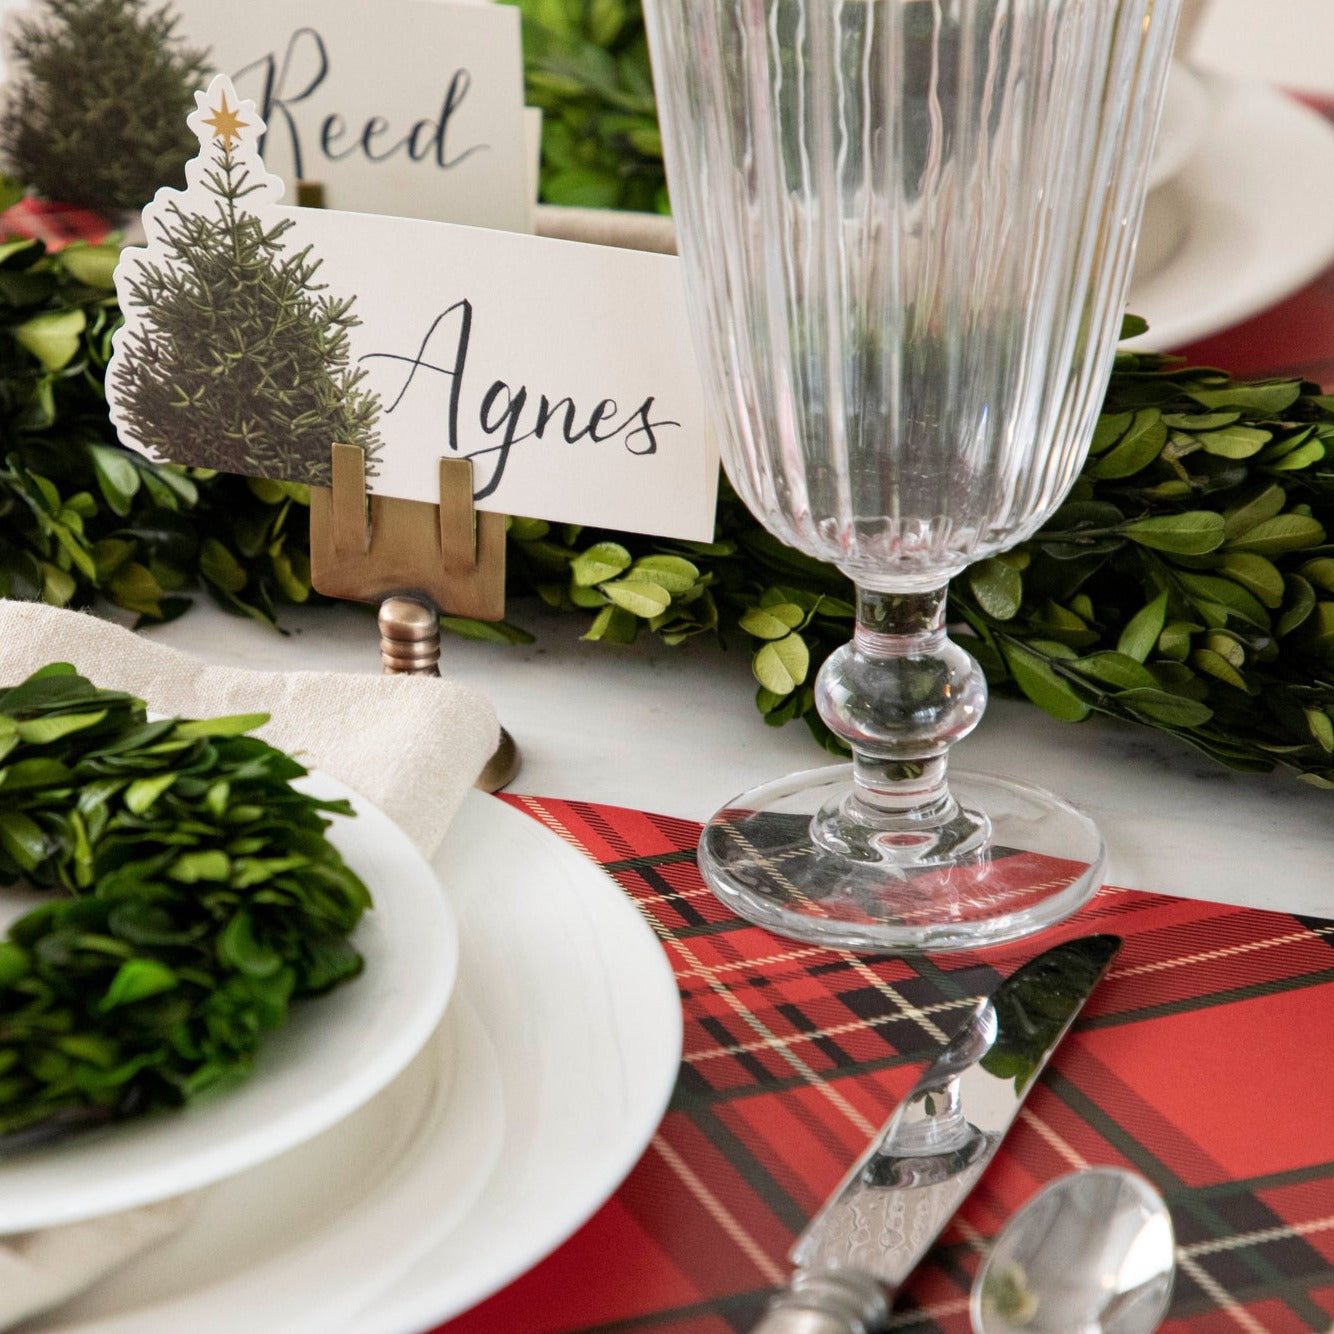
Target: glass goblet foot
point(1012, 860)
point(888, 853)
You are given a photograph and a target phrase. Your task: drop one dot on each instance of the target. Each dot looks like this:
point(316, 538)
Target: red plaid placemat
point(1201, 1062)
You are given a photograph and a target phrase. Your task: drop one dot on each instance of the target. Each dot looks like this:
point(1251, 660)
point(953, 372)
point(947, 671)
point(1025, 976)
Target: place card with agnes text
point(257, 335)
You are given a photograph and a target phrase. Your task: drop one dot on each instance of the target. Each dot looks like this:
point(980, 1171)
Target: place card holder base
point(416, 559)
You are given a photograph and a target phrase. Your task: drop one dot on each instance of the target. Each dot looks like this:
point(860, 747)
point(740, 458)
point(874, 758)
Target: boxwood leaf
point(1313, 451)
point(136, 980)
point(599, 563)
point(239, 949)
point(1216, 665)
point(143, 792)
point(781, 665)
point(1298, 603)
point(42, 731)
point(1271, 399)
point(14, 963)
point(191, 867)
point(1142, 630)
point(1136, 449)
point(236, 724)
point(1041, 684)
point(1193, 532)
point(91, 264)
point(1229, 596)
point(1322, 729)
point(1256, 573)
point(22, 838)
point(53, 337)
point(1168, 709)
point(1237, 519)
point(37, 772)
point(772, 622)
point(614, 625)
point(1319, 572)
point(1116, 669)
point(117, 477)
point(1110, 428)
point(1284, 532)
point(638, 596)
point(1236, 442)
point(998, 588)
point(674, 573)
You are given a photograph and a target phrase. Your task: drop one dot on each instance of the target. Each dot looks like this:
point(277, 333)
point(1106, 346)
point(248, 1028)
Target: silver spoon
point(1092, 1253)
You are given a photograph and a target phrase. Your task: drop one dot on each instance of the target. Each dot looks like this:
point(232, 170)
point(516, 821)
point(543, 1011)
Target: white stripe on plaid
point(720, 1213)
point(1260, 1237)
point(794, 955)
point(1052, 1139)
point(750, 1019)
point(1227, 952)
point(1220, 1296)
point(919, 1014)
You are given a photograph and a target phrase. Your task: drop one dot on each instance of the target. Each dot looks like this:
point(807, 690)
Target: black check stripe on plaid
point(1197, 1063)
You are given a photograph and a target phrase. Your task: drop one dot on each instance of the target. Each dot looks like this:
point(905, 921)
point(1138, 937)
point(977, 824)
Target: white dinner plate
point(1246, 222)
point(1184, 123)
point(540, 1091)
point(332, 1055)
point(294, 1243)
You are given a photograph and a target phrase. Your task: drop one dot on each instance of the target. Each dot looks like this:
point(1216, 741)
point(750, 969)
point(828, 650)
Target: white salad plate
point(1247, 220)
point(332, 1055)
point(538, 1093)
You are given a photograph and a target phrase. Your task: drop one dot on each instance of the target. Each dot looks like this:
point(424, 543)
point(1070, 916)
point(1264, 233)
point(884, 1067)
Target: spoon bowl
point(1092, 1253)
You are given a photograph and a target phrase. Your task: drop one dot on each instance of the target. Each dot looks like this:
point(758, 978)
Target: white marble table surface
point(676, 731)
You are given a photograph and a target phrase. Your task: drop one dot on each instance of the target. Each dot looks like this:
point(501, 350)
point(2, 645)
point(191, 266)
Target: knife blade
point(898, 1196)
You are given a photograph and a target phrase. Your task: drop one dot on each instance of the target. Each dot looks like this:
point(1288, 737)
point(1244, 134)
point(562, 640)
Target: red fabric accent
point(1292, 339)
point(1193, 1064)
point(54, 224)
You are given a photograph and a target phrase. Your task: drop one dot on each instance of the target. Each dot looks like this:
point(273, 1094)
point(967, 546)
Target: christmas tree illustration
point(95, 112)
point(233, 357)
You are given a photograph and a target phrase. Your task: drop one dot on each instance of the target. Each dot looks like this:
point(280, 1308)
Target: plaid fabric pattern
point(1198, 1062)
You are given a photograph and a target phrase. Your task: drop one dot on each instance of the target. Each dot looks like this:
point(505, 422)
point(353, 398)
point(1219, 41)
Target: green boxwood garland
point(1187, 585)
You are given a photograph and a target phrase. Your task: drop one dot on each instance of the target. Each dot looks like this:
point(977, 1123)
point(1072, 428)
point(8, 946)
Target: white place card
point(409, 107)
point(258, 334)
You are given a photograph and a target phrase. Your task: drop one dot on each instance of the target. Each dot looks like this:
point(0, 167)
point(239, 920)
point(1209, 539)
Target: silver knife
point(899, 1195)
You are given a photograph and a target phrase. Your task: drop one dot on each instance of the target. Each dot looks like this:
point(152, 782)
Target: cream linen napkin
point(412, 745)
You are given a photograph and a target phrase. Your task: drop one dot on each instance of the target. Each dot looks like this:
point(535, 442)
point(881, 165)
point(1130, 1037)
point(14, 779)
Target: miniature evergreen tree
point(99, 92)
point(237, 360)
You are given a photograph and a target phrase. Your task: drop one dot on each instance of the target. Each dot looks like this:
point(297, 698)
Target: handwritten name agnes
point(508, 414)
point(303, 68)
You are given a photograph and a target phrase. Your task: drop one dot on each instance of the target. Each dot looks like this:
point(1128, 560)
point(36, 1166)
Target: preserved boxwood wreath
point(195, 897)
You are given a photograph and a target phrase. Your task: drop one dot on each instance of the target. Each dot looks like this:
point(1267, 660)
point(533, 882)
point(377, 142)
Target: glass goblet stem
point(900, 694)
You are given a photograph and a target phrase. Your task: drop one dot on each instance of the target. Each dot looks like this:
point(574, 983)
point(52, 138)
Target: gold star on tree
point(226, 123)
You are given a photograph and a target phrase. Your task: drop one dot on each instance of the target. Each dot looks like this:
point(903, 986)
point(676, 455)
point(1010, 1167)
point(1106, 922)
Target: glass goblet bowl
point(907, 229)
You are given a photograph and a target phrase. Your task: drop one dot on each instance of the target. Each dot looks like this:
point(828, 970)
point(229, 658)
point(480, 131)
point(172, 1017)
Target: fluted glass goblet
point(907, 229)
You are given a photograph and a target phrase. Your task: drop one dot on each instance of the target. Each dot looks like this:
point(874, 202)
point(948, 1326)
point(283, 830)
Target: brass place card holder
point(416, 559)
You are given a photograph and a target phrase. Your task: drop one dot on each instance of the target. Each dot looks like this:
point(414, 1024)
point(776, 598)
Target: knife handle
point(803, 1320)
point(830, 1301)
